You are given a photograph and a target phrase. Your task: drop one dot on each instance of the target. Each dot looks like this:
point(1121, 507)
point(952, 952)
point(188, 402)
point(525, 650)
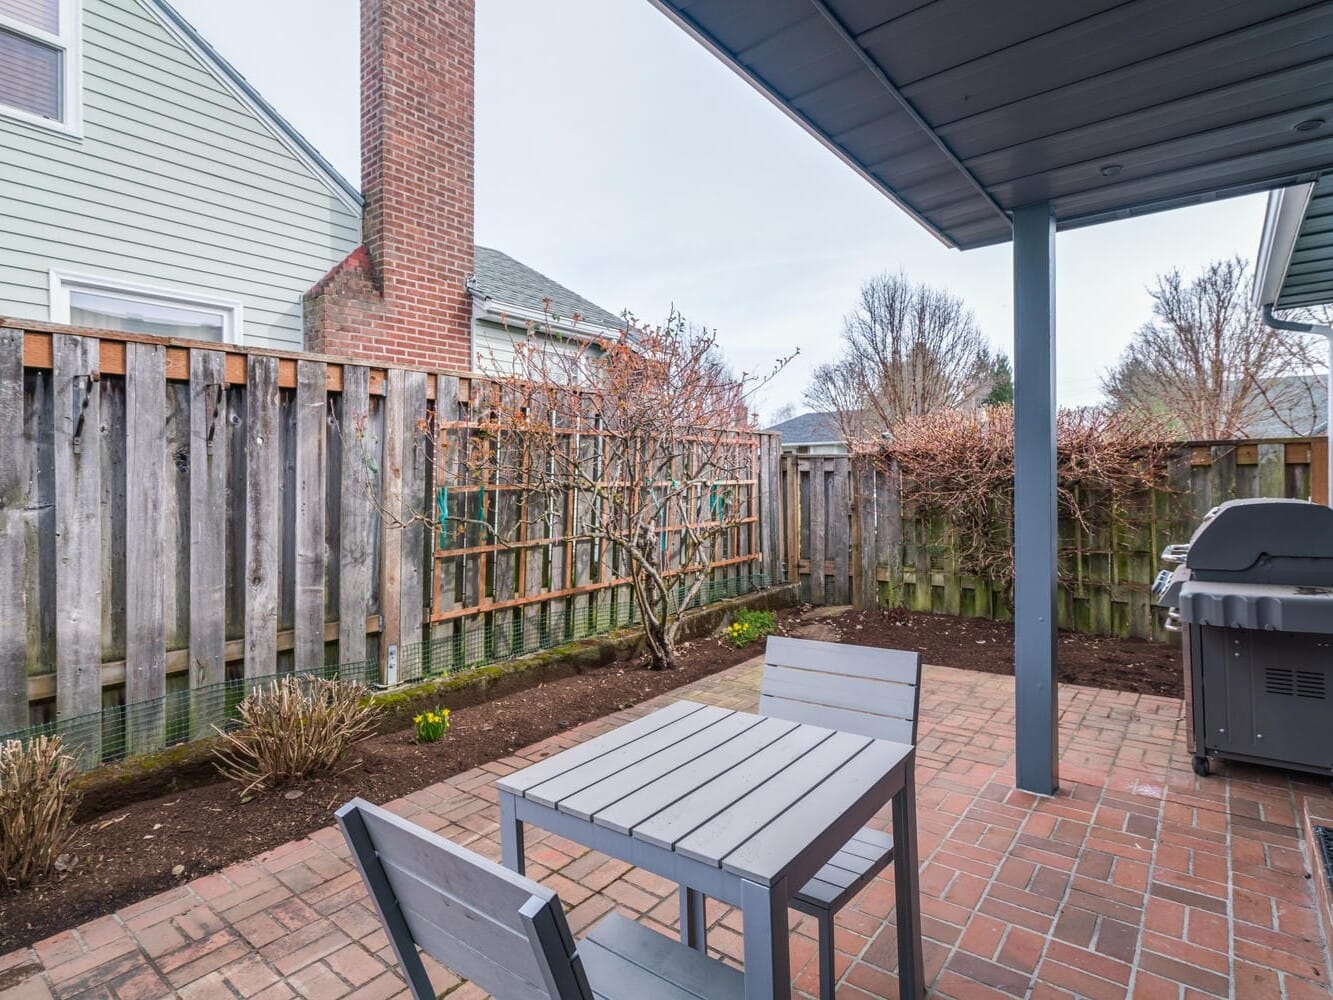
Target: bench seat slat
point(627, 961)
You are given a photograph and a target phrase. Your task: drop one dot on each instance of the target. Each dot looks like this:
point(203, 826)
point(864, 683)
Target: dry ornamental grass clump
point(292, 728)
point(37, 803)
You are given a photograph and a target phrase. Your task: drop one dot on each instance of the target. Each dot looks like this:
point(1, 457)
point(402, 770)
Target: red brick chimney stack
point(401, 298)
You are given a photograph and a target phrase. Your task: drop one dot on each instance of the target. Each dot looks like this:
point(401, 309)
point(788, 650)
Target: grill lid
point(1264, 541)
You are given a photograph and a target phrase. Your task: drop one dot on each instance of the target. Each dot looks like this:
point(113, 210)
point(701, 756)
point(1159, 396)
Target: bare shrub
point(37, 803)
point(957, 467)
point(292, 728)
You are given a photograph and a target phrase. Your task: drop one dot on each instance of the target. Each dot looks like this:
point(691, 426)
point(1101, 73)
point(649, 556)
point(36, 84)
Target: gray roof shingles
point(498, 276)
point(810, 428)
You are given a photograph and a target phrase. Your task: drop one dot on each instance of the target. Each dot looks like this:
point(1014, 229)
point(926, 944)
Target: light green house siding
point(176, 183)
point(493, 345)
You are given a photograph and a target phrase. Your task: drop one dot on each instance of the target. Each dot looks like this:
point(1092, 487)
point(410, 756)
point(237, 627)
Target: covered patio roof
point(990, 122)
point(963, 110)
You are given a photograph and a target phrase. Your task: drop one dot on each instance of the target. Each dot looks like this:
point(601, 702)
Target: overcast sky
point(617, 156)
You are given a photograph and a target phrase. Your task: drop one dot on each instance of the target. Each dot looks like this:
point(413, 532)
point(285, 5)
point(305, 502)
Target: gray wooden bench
point(506, 933)
point(854, 689)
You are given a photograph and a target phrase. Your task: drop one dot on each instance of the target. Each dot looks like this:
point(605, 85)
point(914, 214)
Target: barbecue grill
point(1252, 595)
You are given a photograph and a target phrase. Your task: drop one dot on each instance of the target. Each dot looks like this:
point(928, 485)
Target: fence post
point(865, 592)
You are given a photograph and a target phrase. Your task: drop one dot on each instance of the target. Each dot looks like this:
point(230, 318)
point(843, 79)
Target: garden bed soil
point(128, 850)
point(1138, 665)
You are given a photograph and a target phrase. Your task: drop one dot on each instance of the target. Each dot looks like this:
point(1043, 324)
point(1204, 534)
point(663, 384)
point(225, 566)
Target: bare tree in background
point(907, 349)
point(1208, 363)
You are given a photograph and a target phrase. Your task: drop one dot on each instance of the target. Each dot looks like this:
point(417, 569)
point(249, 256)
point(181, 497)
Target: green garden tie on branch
point(442, 505)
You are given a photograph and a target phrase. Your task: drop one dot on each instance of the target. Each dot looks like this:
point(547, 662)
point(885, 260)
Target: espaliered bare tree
point(1208, 364)
point(907, 349)
point(650, 435)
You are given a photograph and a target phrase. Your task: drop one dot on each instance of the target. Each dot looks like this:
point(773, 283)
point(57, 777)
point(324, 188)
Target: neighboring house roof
point(1299, 407)
point(269, 114)
point(505, 282)
point(810, 428)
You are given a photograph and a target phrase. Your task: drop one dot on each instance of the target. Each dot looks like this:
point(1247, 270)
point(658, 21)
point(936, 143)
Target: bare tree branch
point(907, 349)
point(1208, 363)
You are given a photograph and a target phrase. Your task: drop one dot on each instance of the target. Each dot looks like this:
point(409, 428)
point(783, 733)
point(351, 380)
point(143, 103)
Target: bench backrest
point(854, 689)
point(504, 932)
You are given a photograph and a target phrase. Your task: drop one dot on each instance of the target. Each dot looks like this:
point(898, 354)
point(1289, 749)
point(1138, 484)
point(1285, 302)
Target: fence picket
point(311, 487)
point(356, 513)
point(263, 462)
point(13, 537)
point(78, 583)
point(145, 585)
point(208, 505)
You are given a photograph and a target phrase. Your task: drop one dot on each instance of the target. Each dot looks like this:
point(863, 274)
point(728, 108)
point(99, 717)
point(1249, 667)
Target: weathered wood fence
point(175, 516)
point(849, 539)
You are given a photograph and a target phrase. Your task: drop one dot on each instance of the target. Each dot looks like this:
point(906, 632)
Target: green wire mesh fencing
point(482, 640)
point(185, 713)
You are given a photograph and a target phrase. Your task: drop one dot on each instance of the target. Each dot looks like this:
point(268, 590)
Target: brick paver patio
point(1137, 879)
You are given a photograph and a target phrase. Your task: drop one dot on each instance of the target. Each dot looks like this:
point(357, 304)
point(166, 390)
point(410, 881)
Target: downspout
point(1326, 332)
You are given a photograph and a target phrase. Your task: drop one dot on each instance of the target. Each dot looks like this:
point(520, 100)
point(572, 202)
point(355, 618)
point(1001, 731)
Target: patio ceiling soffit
point(962, 110)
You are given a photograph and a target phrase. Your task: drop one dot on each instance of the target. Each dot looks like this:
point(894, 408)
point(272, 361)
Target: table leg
point(906, 875)
point(693, 919)
point(511, 835)
point(767, 961)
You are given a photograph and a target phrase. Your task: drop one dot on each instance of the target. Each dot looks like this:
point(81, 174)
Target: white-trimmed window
point(159, 312)
point(39, 62)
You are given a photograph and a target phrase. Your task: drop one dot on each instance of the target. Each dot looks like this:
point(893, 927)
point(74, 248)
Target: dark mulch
point(127, 851)
point(973, 644)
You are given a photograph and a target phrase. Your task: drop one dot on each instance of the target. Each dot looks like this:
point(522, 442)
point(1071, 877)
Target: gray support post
point(1037, 759)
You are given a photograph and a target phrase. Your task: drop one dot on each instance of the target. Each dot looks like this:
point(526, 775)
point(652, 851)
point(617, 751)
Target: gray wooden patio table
point(736, 806)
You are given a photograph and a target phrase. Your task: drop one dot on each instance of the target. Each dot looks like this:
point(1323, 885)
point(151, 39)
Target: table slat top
point(734, 790)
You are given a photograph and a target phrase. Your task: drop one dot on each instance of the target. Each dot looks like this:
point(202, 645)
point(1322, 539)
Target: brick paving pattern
point(1137, 879)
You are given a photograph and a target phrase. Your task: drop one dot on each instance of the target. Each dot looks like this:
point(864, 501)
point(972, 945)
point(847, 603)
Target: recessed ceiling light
point(1110, 169)
point(1309, 125)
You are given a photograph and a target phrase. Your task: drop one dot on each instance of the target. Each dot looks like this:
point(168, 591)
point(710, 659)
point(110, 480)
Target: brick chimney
point(401, 297)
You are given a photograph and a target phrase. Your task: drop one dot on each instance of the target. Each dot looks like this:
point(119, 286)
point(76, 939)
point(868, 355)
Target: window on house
point(158, 313)
point(39, 61)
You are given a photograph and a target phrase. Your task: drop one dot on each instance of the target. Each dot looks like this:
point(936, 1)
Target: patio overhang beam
point(982, 119)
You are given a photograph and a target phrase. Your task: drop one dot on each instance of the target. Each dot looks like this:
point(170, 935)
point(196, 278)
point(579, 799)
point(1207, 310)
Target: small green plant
point(749, 626)
point(431, 725)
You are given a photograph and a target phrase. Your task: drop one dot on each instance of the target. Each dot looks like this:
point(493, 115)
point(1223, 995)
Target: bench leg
point(693, 919)
point(827, 979)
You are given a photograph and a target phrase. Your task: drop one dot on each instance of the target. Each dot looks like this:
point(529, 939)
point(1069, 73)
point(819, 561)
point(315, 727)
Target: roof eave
point(486, 307)
point(1282, 227)
point(709, 43)
point(229, 75)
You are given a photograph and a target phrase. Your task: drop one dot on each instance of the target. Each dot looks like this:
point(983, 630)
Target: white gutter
point(485, 307)
point(1282, 225)
point(1327, 333)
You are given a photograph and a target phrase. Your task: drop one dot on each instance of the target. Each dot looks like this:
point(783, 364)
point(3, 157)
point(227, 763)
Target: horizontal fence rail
point(180, 522)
